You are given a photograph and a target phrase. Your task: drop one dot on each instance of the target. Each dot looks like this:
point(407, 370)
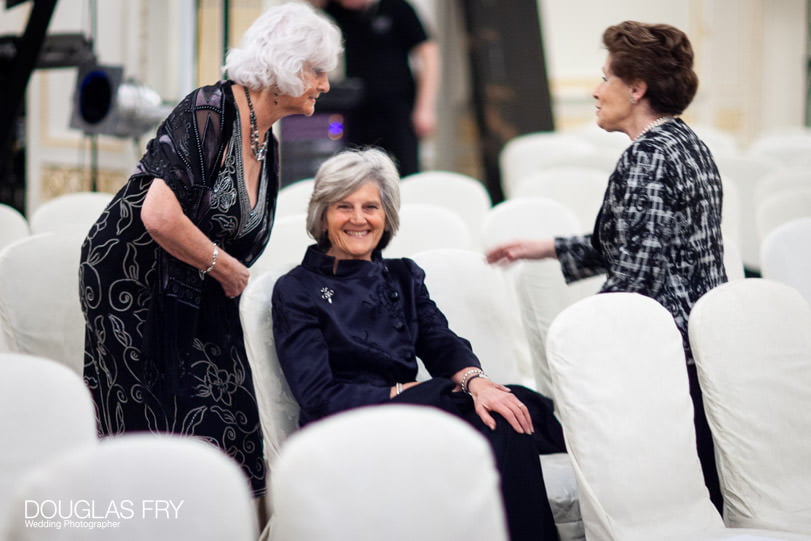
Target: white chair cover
point(39, 297)
point(45, 410)
point(142, 486)
point(77, 210)
point(579, 188)
point(278, 410)
point(395, 472)
point(781, 207)
point(287, 244)
point(427, 227)
point(460, 193)
point(294, 198)
point(783, 178)
point(733, 262)
point(542, 295)
point(720, 142)
point(745, 173)
point(752, 345)
point(613, 143)
point(786, 257)
point(541, 289)
point(531, 152)
point(13, 225)
point(528, 217)
point(481, 307)
point(731, 213)
point(622, 395)
point(789, 146)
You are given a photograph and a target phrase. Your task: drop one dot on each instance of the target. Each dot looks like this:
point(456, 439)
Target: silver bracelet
point(398, 388)
point(470, 375)
point(214, 253)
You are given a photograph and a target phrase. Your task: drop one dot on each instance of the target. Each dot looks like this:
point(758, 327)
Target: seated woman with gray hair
point(349, 326)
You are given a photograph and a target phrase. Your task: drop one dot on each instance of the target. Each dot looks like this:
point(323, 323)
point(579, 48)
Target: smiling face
point(614, 106)
point(356, 223)
point(316, 83)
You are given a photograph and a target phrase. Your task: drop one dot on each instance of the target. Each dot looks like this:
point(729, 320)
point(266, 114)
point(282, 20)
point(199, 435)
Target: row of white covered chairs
point(59, 481)
point(756, 181)
point(621, 392)
point(78, 210)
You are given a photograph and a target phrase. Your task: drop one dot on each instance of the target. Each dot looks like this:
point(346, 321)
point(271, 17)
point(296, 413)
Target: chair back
point(278, 410)
point(425, 226)
point(460, 193)
point(78, 210)
point(788, 146)
point(393, 472)
point(745, 174)
point(294, 198)
point(752, 345)
point(530, 152)
point(481, 307)
point(781, 207)
point(45, 410)
point(786, 258)
point(542, 294)
point(528, 217)
point(39, 297)
point(579, 188)
point(150, 486)
point(622, 395)
point(13, 225)
point(287, 244)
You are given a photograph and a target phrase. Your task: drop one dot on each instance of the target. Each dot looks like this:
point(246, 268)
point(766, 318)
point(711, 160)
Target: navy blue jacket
point(345, 338)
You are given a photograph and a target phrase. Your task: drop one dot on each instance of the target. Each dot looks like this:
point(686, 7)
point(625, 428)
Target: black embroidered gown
point(163, 349)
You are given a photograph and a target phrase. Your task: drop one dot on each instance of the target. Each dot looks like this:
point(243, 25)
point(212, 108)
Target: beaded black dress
point(164, 349)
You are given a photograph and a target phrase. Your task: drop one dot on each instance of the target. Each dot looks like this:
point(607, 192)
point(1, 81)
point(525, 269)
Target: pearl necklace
point(656, 122)
point(259, 152)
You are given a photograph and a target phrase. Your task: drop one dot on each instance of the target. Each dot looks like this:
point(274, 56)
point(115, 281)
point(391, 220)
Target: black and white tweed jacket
point(658, 232)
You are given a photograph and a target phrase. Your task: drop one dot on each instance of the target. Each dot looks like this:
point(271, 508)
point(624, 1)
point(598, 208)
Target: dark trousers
point(527, 510)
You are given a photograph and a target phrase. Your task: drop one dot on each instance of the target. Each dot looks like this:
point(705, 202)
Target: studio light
point(106, 104)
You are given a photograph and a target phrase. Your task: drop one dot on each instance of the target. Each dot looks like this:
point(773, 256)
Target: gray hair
point(343, 174)
point(278, 45)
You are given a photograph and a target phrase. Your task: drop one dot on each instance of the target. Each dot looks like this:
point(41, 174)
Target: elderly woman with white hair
point(349, 326)
point(164, 265)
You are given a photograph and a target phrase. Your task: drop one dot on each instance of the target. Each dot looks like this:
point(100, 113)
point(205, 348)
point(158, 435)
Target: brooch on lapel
point(327, 294)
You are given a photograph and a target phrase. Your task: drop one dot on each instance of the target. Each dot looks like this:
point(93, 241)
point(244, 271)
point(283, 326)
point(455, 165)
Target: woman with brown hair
point(658, 232)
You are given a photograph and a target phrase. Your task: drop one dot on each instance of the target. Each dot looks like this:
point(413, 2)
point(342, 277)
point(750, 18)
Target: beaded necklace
point(259, 151)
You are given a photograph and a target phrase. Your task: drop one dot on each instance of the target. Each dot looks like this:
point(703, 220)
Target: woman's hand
point(489, 396)
point(521, 249)
point(231, 274)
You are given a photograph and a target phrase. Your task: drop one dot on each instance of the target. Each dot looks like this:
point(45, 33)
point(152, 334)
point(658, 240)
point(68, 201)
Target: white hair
point(280, 44)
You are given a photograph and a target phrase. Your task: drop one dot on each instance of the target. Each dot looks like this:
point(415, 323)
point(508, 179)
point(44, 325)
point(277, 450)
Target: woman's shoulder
point(403, 265)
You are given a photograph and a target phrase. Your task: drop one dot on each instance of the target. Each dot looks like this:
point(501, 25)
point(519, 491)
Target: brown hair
point(658, 54)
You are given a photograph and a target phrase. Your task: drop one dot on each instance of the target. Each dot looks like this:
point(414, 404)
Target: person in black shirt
point(398, 104)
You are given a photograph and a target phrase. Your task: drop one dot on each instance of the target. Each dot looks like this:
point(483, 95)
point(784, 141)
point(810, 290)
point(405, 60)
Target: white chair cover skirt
point(752, 344)
point(39, 297)
point(142, 486)
point(400, 473)
point(786, 258)
point(627, 416)
point(45, 410)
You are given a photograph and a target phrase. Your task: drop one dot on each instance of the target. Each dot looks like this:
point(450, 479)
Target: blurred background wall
point(752, 60)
